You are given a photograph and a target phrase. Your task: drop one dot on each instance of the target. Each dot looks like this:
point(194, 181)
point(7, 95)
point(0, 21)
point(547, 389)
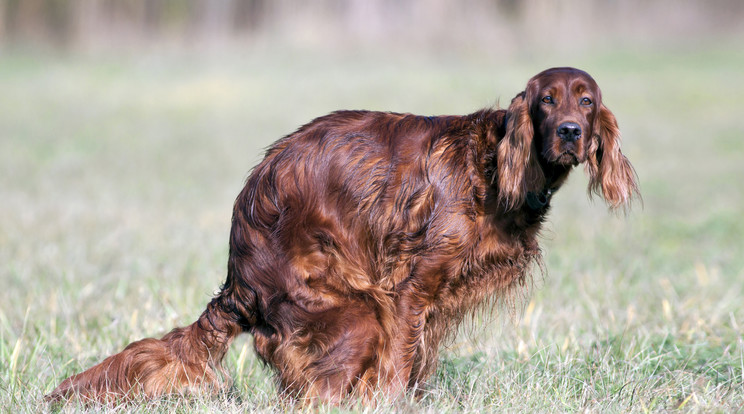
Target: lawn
point(118, 173)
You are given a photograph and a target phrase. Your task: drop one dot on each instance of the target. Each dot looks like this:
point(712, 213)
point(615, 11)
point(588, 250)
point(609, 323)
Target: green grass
point(117, 177)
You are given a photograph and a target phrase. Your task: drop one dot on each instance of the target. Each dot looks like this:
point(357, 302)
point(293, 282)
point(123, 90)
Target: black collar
point(538, 201)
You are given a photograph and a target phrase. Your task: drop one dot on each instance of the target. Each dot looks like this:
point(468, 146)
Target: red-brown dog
point(362, 239)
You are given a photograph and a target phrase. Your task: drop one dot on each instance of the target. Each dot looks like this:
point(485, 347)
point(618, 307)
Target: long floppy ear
point(518, 170)
point(610, 172)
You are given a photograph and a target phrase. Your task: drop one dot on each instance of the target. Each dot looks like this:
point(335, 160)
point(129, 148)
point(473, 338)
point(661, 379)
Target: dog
point(362, 239)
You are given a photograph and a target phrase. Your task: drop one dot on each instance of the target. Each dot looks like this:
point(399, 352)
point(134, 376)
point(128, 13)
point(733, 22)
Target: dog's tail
point(187, 359)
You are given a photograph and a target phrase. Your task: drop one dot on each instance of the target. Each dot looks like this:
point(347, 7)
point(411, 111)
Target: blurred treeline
point(504, 24)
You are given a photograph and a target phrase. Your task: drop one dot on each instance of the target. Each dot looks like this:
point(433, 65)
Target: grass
point(117, 176)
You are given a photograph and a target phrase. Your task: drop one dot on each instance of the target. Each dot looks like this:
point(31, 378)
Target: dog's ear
point(517, 167)
point(610, 172)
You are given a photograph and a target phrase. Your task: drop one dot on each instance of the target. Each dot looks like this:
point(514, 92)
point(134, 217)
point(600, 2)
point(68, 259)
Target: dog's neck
point(555, 175)
point(538, 201)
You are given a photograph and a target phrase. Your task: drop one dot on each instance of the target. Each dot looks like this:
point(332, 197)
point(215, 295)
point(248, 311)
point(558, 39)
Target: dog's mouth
point(567, 158)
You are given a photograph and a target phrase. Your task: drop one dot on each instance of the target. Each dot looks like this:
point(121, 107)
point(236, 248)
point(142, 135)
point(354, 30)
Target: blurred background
point(127, 128)
point(505, 25)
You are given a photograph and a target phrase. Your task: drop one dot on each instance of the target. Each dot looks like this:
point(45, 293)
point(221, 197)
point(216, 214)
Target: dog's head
point(560, 121)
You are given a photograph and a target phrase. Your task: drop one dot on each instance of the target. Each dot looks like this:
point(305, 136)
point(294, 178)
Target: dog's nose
point(569, 131)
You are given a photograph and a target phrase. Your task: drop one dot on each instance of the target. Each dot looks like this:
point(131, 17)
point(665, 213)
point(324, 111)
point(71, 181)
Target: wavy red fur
point(362, 240)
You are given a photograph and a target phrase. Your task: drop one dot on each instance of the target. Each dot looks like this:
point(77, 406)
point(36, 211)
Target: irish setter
point(362, 240)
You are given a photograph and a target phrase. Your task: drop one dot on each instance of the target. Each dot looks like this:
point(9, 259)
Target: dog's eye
point(548, 99)
point(586, 101)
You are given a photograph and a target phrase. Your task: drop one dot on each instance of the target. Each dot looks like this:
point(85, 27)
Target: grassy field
point(117, 177)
